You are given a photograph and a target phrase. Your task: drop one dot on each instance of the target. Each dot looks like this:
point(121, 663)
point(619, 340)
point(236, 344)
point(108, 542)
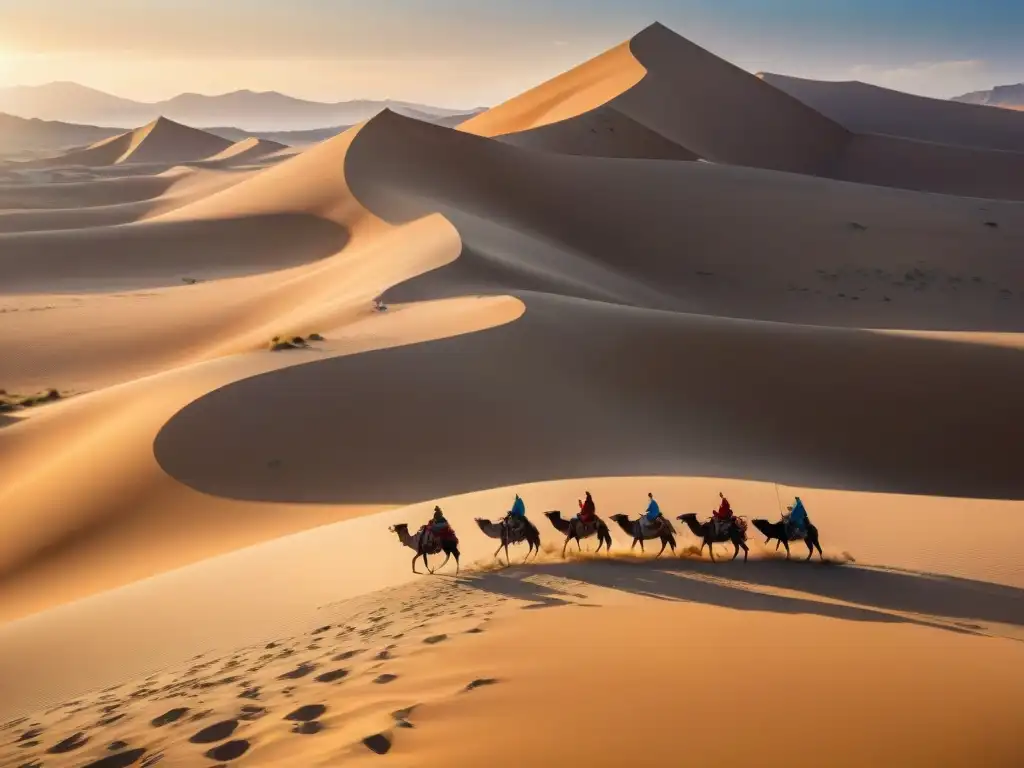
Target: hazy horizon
point(455, 54)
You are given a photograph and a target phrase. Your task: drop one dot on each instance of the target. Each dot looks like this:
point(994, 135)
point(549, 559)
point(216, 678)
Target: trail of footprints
point(307, 666)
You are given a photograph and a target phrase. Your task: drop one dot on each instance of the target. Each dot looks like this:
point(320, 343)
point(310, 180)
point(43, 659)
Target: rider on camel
point(653, 513)
point(588, 511)
point(723, 515)
point(796, 520)
point(438, 526)
point(517, 515)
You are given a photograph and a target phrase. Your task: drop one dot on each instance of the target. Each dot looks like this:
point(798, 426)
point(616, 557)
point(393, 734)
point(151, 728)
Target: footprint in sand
point(216, 732)
point(306, 713)
point(30, 734)
point(250, 712)
point(401, 717)
point(480, 682)
point(69, 744)
point(300, 671)
point(115, 746)
point(152, 760)
point(332, 676)
point(435, 639)
point(232, 750)
point(306, 719)
point(474, 631)
point(250, 693)
point(110, 720)
point(120, 760)
point(346, 655)
point(378, 743)
point(321, 630)
point(170, 716)
point(385, 678)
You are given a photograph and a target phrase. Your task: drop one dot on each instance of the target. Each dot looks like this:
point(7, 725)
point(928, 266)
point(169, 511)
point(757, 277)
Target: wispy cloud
point(928, 78)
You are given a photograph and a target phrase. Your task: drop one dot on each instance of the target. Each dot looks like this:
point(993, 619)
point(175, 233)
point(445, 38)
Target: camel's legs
point(414, 559)
point(579, 547)
point(447, 557)
point(711, 550)
point(600, 543)
point(498, 550)
point(664, 543)
point(567, 539)
point(746, 551)
point(777, 543)
point(736, 547)
point(508, 561)
point(817, 544)
point(786, 543)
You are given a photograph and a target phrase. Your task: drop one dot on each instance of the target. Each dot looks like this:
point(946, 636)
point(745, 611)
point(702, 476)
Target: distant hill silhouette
point(1011, 96)
point(248, 110)
point(21, 135)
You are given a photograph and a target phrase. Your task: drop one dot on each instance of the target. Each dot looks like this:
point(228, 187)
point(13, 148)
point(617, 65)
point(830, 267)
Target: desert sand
point(655, 273)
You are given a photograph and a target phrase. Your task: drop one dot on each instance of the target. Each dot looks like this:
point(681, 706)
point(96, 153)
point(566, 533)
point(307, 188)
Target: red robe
point(724, 511)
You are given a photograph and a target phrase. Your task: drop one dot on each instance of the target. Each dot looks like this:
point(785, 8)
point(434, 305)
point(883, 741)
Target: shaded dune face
point(693, 237)
point(688, 104)
point(864, 108)
point(652, 392)
point(159, 253)
point(605, 341)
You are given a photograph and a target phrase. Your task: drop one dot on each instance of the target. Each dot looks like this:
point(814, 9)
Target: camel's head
point(687, 516)
point(400, 528)
point(553, 514)
point(618, 517)
point(764, 526)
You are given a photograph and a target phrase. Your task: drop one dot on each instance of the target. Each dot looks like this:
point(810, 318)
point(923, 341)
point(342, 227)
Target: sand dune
point(864, 108)
point(246, 150)
point(161, 141)
point(205, 522)
point(698, 237)
point(614, 104)
point(177, 187)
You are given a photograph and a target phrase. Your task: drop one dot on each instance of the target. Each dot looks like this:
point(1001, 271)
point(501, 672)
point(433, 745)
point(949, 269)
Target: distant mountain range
point(1010, 96)
point(247, 110)
point(19, 136)
point(24, 138)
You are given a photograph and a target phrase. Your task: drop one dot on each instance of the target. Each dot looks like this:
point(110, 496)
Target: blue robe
point(798, 517)
point(653, 511)
point(518, 508)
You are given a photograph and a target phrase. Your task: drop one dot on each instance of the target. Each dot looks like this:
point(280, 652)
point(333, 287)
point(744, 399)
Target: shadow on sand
point(879, 595)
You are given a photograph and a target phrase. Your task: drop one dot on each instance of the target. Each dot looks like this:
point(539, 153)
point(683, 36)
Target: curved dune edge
point(571, 94)
point(172, 326)
point(101, 445)
point(254, 594)
point(183, 188)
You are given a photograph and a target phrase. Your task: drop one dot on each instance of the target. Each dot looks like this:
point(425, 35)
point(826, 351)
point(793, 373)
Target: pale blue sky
point(465, 52)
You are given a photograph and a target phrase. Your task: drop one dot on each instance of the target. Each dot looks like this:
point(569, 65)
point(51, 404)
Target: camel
point(423, 545)
point(641, 532)
point(778, 531)
point(574, 529)
point(707, 533)
point(502, 531)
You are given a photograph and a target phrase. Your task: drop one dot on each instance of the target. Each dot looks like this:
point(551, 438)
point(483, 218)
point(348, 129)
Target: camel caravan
point(437, 536)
